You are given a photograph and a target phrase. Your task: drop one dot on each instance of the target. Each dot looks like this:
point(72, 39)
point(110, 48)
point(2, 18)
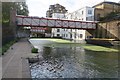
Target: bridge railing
point(54, 23)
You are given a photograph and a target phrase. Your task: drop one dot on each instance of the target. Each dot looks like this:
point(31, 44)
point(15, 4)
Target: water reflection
point(67, 61)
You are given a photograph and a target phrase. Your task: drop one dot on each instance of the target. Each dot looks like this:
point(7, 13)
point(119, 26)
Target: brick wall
point(9, 31)
point(110, 29)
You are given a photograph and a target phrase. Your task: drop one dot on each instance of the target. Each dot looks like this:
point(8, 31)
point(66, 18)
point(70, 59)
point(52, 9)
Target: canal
point(68, 60)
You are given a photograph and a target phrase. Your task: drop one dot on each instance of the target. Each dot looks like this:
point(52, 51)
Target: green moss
point(34, 50)
point(99, 48)
point(54, 40)
point(60, 40)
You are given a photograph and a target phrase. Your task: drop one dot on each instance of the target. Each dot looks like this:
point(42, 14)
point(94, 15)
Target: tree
point(8, 31)
point(20, 7)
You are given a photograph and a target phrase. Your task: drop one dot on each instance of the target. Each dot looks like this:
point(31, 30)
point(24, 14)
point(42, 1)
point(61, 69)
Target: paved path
point(14, 62)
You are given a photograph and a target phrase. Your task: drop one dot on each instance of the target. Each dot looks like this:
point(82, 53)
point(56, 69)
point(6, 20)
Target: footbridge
point(54, 23)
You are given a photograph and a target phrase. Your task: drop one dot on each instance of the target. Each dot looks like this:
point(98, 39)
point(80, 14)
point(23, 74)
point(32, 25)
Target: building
point(57, 8)
point(109, 29)
point(83, 14)
point(58, 15)
point(104, 8)
point(56, 11)
point(58, 32)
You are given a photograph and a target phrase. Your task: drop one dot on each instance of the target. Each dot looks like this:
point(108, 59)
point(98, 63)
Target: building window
point(75, 35)
point(70, 35)
point(89, 11)
point(58, 30)
point(58, 35)
point(81, 35)
point(86, 18)
point(62, 35)
point(66, 35)
point(82, 12)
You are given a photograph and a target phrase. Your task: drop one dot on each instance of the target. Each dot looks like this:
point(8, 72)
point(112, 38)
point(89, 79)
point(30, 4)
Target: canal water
point(72, 61)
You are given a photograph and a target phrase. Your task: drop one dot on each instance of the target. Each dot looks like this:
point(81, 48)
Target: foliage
point(112, 15)
point(9, 30)
point(20, 7)
point(7, 46)
point(34, 50)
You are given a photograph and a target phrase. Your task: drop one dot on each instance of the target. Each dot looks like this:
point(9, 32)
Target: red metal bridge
point(54, 23)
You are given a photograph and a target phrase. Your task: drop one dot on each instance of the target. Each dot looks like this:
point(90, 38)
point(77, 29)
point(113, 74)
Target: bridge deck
point(54, 23)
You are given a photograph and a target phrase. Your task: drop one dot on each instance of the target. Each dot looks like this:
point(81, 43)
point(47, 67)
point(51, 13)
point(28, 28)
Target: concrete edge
point(26, 73)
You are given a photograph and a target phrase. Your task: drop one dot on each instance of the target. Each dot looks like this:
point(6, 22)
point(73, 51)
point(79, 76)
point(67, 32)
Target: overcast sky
point(39, 7)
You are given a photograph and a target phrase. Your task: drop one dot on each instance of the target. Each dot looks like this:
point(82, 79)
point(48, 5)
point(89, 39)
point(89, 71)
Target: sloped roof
point(114, 3)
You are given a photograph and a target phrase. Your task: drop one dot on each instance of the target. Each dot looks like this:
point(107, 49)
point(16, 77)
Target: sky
point(39, 7)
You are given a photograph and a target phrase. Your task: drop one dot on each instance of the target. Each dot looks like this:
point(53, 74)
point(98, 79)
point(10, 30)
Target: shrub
point(34, 50)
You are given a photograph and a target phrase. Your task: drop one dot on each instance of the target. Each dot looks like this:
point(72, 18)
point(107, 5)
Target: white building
point(58, 15)
point(57, 32)
point(83, 14)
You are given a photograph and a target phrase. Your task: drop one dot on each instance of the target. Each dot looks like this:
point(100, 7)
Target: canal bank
point(58, 59)
point(14, 62)
point(103, 42)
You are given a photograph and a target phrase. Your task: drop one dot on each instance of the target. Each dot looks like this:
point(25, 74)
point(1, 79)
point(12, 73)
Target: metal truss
point(54, 23)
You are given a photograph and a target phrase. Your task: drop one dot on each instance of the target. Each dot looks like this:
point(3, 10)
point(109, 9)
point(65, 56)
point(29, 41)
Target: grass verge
point(60, 41)
point(54, 40)
point(99, 48)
